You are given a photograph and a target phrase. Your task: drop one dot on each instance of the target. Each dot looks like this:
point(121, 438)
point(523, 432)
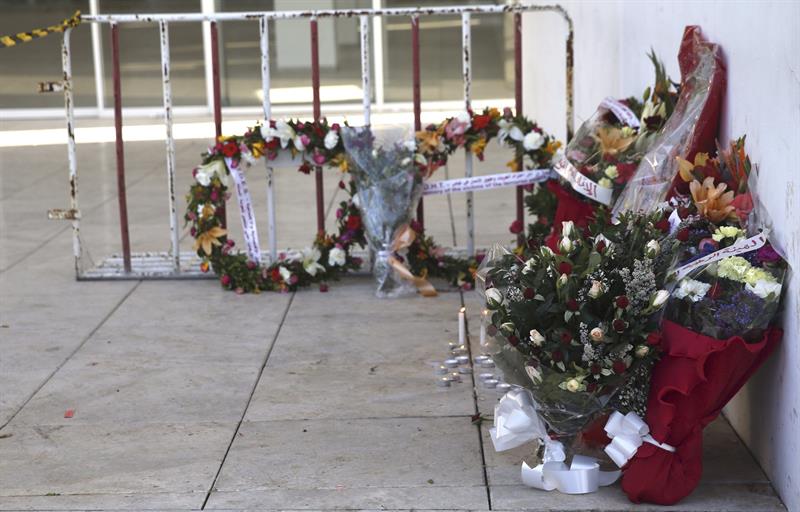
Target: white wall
point(761, 43)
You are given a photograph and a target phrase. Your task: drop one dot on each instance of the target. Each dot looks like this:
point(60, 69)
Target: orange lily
point(612, 141)
point(207, 239)
point(712, 201)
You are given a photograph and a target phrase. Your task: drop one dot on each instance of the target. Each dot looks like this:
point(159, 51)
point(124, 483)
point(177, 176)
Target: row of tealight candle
point(458, 364)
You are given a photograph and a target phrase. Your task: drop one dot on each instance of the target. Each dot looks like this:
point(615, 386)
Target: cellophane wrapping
point(388, 185)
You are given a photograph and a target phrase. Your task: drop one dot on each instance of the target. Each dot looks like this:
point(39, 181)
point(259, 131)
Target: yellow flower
point(686, 167)
point(478, 146)
point(428, 141)
point(207, 211)
point(494, 113)
point(208, 239)
point(343, 165)
point(257, 149)
point(613, 140)
point(552, 146)
point(512, 164)
point(712, 201)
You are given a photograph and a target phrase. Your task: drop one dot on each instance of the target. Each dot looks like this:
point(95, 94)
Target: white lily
point(283, 131)
point(508, 129)
point(311, 263)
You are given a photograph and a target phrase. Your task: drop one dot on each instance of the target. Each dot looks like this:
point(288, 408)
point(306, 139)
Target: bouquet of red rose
point(718, 326)
point(572, 327)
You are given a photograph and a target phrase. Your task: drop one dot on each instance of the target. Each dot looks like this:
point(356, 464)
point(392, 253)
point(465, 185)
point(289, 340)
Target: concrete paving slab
point(162, 502)
point(126, 393)
point(38, 460)
point(356, 391)
point(406, 454)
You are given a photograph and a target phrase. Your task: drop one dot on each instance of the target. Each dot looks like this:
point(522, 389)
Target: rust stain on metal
point(45, 87)
point(63, 214)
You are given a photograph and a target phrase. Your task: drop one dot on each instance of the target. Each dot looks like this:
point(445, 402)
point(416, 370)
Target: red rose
point(622, 302)
point(595, 369)
point(572, 305)
point(619, 324)
point(662, 225)
point(516, 227)
point(619, 367)
point(480, 122)
point(513, 340)
point(654, 338)
point(323, 287)
point(230, 149)
point(625, 172)
point(556, 355)
point(591, 387)
point(225, 279)
point(341, 185)
point(353, 222)
point(529, 293)
point(275, 275)
point(304, 168)
point(565, 268)
point(683, 234)
point(600, 246)
point(566, 338)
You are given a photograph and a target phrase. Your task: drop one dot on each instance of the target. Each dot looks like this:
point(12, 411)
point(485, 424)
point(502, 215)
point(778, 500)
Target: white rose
point(573, 385)
point(765, 289)
point(536, 337)
point(202, 176)
point(533, 141)
point(337, 257)
point(494, 297)
point(605, 183)
point(652, 249)
point(331, 139)
point(562, 280)
point(597, 334)
point(642, 351)
point(659, 298)
point(546, 252)
point(568, 228)
point(596, 290)
point(565, 245)
point(464, 118)
point(529, 266)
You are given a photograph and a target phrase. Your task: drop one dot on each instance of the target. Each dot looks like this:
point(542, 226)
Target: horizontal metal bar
point(45, 87)
point(341, 13)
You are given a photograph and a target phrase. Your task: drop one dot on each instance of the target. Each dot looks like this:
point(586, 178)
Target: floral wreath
point(319, 144)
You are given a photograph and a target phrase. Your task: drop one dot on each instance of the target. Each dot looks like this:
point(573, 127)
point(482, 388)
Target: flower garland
point(319, 144)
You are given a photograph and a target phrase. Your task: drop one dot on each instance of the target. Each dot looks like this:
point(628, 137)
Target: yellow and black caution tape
point(24, 37)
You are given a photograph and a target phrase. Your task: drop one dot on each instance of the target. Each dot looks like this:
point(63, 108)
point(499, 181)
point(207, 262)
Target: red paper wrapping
point(570, 207)
point(691, 383)
point(691, 128)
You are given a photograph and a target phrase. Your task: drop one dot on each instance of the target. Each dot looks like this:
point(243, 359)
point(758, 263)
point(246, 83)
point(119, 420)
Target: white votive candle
point(462, 326)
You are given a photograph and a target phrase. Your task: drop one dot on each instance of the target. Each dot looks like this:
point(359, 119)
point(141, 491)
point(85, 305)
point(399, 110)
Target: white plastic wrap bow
point(516, 423)
point(627, 433)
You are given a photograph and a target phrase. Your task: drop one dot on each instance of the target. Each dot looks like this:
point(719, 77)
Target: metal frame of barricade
point(173, 264)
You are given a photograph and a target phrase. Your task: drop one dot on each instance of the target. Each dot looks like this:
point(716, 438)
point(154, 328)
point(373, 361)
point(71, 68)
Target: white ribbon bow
point(516, 423)
point(627, 434)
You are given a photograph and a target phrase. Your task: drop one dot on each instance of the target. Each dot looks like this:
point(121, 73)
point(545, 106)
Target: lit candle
point(454, 377)
point(503, 387)
point(488, 363)
point(441, 370)
point(462, 326)
point(443, 382)
point(484, 318)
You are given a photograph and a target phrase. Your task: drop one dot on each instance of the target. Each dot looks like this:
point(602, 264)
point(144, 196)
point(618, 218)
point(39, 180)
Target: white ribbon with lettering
point(739, 247)
point(246, 211)
point(508, 179)
point(516, 422)
point(627, 434)
point(582, 184)
point(621, 110)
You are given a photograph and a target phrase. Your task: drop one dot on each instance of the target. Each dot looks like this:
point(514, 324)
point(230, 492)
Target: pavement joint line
point(35, 182)
point(249, 400)
point(66, 227)
point(71, 354)
point(477, 409)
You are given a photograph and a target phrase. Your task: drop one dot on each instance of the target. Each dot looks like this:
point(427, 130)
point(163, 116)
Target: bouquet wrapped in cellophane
point(389, 185)
point(719, 323)
point(607, 149)
point(576, 326)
